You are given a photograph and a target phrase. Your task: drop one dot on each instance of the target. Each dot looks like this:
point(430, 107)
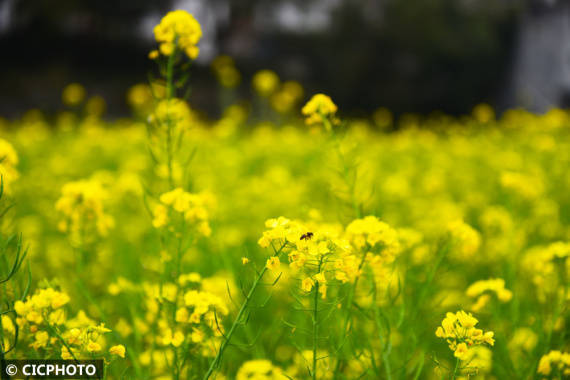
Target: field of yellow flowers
point(283, 241)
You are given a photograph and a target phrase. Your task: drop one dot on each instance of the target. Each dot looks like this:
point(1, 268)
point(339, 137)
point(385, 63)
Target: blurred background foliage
point(409, 56)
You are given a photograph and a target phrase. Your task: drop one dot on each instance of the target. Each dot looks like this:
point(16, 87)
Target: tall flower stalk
point(239, 319)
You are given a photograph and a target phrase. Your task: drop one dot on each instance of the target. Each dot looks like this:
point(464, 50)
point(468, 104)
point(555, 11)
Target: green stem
point(350, 182)
point(170, 75)
point(455, 369)
point(60, 338)
point(131, 352)
point(169, 95)
point(384, 342)
point(217, 360)
point(169, 154)
point(558, 303)
point(348, 317)
point(316, 323)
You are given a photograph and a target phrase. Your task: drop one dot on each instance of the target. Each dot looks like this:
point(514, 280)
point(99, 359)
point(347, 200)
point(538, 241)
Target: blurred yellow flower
point(118, 350)
point(273, 263)
point(178, 30)
point(318, 109)
point(265, 82)
point(73, 94)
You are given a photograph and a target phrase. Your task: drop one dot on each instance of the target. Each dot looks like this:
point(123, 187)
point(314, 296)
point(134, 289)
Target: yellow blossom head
point(318, 108)
point(178, 30)
point(265, 82)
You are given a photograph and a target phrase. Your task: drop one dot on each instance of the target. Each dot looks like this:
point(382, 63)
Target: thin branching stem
point(218, 359)
point(316, 323)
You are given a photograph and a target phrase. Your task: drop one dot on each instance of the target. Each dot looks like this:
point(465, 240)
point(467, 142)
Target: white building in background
point(540, 76)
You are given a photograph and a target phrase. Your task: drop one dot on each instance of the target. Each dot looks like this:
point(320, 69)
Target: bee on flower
point(313, 250)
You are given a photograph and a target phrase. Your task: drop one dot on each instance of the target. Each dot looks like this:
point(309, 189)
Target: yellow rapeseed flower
point(556, 359)
point(307, 284)
point(178, 30)
point(93, 346)
point(481, 290)
point(260, 370)
point(320, 106)
point(458, 329)
point(118, 350)
point(265, 82)
point(225, 71)
point(73, 94)
point(273, 263)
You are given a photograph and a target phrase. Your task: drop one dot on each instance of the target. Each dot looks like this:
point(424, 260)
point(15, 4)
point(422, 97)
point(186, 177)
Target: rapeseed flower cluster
point(416, 216)
point(286, 99)
point(309, 248)
point(458, 329)
point(371, 233)
point(318, 109)
point(465, 239)
point(555, 363)
point(178, 30)
point(43, 321)
point(482, 290)
point(179, 208)
point(259, 370)
point(548, 267)
point(172, 113)
point(82, 208)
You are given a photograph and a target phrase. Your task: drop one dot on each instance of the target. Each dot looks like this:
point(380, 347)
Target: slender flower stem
point(218, 359)
point(384, 342)
point(348, 317)
point(54, 331)
point(316, 323)
point(169, 95)
point(169, 154)
point(170, 75)
point(456, 369)
point(350, 183)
